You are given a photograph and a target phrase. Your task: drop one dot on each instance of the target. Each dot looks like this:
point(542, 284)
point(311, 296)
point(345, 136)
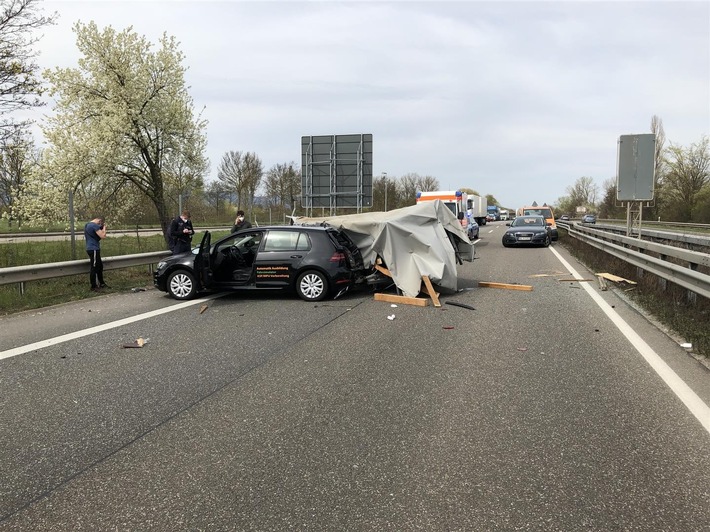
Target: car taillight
point(338, 257)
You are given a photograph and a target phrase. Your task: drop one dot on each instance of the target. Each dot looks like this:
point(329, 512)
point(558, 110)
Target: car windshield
point(528, 221)
point(545, 213)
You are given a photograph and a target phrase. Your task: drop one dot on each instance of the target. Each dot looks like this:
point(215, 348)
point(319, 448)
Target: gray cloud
point(514, 99)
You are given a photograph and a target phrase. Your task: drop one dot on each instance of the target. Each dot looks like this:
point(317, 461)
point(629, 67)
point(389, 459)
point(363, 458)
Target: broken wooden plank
point(602, 283)
point(429, 290)
point(615, 278)
point(382, 269)
point(404, 300)
point(507, 286)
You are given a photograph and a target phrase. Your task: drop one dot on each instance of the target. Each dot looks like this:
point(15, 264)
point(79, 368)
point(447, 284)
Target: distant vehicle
point(490, 217)
point(315, 262)
point(473, 230)
point(527, 230)
point(544, 211)
point(589, 219)
point(503, 215)
point(564, 218)
point(477, 208)
point(458, 201)
point(495, 211)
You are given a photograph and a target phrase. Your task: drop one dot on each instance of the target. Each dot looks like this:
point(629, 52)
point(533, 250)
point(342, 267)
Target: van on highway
point(545, 211)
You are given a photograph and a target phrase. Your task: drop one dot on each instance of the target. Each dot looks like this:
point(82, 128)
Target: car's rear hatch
point(353, 256)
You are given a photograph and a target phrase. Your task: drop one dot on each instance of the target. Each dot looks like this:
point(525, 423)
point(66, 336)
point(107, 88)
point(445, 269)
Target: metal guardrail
point(633, 250)
point(35, 272)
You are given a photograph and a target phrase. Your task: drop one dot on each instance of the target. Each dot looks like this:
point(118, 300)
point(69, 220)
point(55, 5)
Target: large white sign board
point(636, 167)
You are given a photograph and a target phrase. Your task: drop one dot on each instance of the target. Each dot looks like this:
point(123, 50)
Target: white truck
point(459, 201)
point(504, 214)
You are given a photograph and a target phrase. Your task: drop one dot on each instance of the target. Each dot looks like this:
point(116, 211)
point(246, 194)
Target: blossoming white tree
point(124, 124)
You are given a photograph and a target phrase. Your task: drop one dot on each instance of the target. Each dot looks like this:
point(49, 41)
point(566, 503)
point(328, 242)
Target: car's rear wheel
point(312, 286)
point(181, 285)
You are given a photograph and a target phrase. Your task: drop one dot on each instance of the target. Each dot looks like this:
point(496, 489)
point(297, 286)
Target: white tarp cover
point(412, 241)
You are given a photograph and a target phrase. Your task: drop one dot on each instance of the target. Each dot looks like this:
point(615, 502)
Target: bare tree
point(657, 130)
point(583, 193)
point(216, 195)
point(230, 173)
point(688, 173)
point(20, 86)
point(282, 185)
point(427, 183)
point(253, 172)
point(407, 189)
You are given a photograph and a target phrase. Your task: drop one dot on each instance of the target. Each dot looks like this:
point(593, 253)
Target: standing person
point(94, 232)
point(180, 233)
point(240, 223)
point(463, 221)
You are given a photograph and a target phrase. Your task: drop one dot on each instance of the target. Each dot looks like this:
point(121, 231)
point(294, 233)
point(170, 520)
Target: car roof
point(292, 227)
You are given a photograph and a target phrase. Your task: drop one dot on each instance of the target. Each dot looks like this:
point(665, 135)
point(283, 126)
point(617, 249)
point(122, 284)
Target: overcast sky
point(513, 99)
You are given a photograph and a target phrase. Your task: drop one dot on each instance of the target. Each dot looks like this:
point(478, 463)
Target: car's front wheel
point(181, 285)
point(547, 241)
point(312, 286)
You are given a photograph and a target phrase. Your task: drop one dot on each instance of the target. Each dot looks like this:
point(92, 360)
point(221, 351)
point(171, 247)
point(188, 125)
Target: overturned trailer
point(422, 240)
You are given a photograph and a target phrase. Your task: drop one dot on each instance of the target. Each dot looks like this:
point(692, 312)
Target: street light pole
point(384, 178)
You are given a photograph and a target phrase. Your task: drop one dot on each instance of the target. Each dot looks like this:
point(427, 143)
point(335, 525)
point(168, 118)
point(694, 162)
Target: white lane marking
point(690, 399)
point(99, 328)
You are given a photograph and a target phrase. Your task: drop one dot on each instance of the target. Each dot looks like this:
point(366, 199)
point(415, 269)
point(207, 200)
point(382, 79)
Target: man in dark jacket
point(180, 233)
point(240, 223)
point(94, 232)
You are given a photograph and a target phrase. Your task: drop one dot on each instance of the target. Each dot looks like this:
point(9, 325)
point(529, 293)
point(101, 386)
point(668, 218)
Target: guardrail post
point(661, 281)
point(692, 296)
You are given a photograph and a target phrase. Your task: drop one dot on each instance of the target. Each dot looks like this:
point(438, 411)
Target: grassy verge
point(667, 305)
point(38, 294)
point(45, 293)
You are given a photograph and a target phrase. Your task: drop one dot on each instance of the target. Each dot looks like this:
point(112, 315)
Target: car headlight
point(540, 233)
point(162, 264)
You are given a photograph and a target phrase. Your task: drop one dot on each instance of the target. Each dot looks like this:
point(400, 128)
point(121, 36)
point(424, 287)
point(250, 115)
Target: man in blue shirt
point(94, 232)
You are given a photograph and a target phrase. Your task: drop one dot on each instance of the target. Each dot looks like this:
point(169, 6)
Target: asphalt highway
point(559, 408)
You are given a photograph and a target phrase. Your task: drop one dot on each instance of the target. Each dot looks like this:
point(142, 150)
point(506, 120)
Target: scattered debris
point(457, 304)
point(203, 307)
point(506, 286)
point(522, 348)
point(393, 305)
point(615, 278)
point(687, 345)
point(602, 283)
point(429, 290)
point(448, 327)
point(576, 280)
point(404, 300)
point(137, 289)
point(140, 342)
point(391, 318)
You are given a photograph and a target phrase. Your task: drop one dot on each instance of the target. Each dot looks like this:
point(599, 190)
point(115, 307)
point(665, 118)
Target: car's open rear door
point(203, 267)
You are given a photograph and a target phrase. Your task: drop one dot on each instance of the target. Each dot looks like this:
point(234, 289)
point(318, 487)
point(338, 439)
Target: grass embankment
point(669, 306)
point(44, 293)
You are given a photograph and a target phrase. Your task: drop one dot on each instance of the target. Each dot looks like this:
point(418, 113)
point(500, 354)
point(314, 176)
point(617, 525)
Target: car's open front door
point(203, 267)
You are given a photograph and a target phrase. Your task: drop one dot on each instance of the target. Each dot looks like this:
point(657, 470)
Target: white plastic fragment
point(390, 317)
point(393, 305)
point(687, 345)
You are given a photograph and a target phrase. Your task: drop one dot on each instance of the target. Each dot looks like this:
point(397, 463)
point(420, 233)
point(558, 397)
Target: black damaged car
point(527, 230)
point(315, 262)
